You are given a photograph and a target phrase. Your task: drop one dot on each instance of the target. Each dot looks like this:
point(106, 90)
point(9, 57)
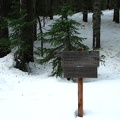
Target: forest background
point(19, 21)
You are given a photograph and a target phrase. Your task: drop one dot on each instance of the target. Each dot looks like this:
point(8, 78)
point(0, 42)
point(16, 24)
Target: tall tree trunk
point(4, 34)
point(96, 24)
point(35, 17)
point(27, 35)
point(85, 10)
point(28, 31)
point(41, 37)
point(51, 9)
point(116, 11)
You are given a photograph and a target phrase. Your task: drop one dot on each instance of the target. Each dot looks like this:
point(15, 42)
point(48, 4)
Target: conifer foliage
point(22, 22)
point(4, 32)
point(63, 36)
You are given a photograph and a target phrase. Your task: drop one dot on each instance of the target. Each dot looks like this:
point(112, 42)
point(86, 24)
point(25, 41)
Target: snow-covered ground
point(39, 97)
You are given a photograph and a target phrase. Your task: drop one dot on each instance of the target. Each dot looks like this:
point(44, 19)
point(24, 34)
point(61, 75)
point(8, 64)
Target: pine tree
point(63, 36)
point(22, 23)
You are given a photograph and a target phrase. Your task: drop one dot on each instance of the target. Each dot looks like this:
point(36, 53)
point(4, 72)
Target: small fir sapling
point(63, 36)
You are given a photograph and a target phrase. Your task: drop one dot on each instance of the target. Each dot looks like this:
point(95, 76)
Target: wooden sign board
point(80, 64)
point(80, 72)
point(78, 59)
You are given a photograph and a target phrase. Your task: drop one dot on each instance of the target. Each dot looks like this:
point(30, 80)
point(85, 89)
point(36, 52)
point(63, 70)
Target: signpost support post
point(80, 93)
point(80, 64)
point(80, 97)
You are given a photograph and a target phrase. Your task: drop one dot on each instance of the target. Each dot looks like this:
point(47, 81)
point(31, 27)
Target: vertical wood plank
point(80, 97)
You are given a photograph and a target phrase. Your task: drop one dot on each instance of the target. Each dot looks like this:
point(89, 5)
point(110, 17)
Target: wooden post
point(80, 93)
point(79, 65)
point(80, 97)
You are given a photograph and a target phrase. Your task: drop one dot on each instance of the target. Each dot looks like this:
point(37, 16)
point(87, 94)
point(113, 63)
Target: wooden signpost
point(80, 64)
point(77, 58)
point(81, 72)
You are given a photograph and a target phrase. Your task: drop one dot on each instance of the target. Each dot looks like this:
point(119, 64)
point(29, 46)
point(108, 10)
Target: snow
point(38, 96)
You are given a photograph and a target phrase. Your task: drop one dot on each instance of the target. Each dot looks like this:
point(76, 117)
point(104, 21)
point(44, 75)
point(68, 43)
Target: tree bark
point(28, 31)
point(85, 11)
point(41, 37)
point(96, 24)
point(116, 11)
point(51, 9)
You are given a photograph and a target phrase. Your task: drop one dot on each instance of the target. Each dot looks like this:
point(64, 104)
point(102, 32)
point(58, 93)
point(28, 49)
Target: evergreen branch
point(50, 55)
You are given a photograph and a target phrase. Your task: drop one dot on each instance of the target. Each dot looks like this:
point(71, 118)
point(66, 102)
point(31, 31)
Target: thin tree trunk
point(85, 11)
point(116, 11)
point(96, 24)
point(67, 38)
point(51, 9)
point(41, 38)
